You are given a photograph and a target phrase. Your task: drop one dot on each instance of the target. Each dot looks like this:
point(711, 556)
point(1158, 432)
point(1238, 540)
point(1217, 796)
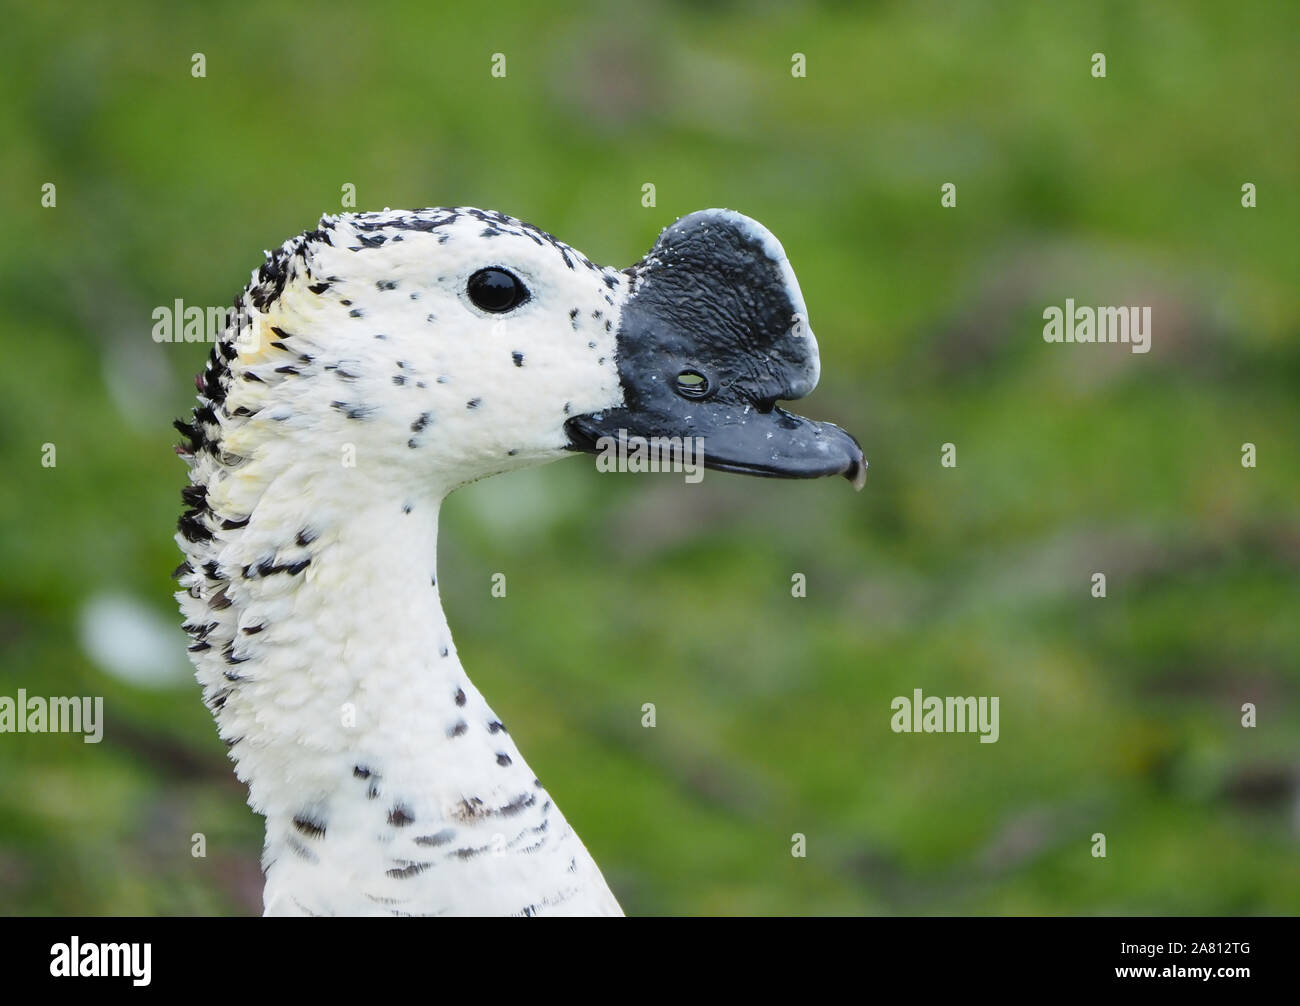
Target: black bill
point(714, 334)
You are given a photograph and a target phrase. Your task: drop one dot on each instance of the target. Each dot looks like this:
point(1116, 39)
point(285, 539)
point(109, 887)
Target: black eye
point(496, 290)
point(692, 384)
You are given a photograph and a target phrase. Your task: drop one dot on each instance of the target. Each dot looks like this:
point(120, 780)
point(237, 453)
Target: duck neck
point(387, 782)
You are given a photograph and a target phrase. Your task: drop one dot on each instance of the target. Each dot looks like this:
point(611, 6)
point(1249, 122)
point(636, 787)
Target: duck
point(371, 367)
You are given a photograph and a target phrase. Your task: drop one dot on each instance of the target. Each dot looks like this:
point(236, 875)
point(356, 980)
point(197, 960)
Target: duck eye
point(692, 384)
point(496, 290)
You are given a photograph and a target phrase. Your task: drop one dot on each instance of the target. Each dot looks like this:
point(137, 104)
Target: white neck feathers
point(387, 782)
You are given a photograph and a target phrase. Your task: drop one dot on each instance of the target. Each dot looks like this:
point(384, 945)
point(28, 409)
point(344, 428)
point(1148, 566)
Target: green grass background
point(1118, 715)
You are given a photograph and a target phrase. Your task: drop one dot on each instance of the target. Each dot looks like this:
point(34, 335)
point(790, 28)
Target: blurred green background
point(1118, 715)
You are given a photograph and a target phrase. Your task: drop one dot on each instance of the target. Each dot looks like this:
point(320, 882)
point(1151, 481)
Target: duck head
point(453, 344)
point(374, 365)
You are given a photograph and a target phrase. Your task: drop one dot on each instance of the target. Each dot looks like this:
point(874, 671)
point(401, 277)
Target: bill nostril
point(693, 384)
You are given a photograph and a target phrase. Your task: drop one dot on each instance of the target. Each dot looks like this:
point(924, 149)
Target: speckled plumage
point(357, 389)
